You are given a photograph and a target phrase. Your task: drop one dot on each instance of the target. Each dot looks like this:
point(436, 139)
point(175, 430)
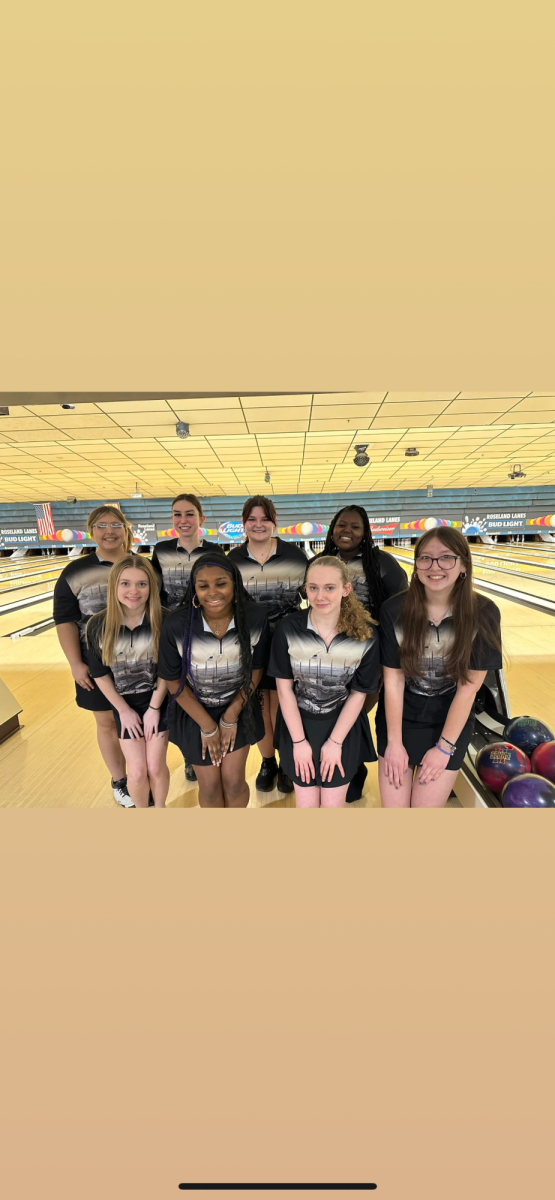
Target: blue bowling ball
point(528, 791)
point(527, 733)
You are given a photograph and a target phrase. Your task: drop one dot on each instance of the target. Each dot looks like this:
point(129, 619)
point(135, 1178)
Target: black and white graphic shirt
point(134, 666)
point(323, 675)
point(173, 564)
point(276, 583)
point(216, 673)
point(392, 575)
point(81, 591)
point(432, 678)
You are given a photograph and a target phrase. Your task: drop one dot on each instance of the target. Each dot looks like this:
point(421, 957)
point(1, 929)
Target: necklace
point(265, 554)
point(216, 626)
point(320, 634)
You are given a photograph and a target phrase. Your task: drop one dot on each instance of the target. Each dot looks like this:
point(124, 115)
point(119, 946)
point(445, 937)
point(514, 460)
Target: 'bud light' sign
point(231, 531)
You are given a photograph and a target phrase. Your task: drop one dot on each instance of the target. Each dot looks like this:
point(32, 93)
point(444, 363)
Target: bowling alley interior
point(481, 463)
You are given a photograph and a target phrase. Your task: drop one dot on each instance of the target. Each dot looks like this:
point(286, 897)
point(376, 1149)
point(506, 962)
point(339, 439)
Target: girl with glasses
point(273, 572)
point(122, 643)
point(213, 651)
point(438, 640)
point(80, 592)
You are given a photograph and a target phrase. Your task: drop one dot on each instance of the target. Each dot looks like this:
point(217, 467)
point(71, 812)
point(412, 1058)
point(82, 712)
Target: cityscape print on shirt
point(276, 583)
point(323, 677)
point(80, 592)
point(173, 565)
point(134, 667)
point(216, 671)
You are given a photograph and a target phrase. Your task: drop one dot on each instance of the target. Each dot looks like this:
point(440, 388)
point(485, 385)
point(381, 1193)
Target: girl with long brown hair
point(273, 572)
point(80, 592)
point(123, 643)
point(325, 660)
point(438, 640)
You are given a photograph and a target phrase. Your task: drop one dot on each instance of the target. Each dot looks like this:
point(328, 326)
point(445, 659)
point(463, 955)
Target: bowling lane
point(516, 557)
point(11, 621)
point(517, 580)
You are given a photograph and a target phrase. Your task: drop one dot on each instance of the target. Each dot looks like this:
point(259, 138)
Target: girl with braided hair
point(374, 574)
point(325, 660)
point(213, 651)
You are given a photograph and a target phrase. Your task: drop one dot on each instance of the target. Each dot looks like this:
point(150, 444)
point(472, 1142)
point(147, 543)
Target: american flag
point(45, 524)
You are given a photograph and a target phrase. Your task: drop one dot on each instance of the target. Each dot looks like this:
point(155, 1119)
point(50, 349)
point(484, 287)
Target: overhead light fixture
point(267, 476)
point(412, 452)
point(430, 490)
point(182, 429)
point(517, 472)
point(361, 458)
point(136, 495)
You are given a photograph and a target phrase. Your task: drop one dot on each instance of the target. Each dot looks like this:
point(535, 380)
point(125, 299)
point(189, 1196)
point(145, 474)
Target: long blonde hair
point(354, 620)
point(109, 510)
point(107, 623)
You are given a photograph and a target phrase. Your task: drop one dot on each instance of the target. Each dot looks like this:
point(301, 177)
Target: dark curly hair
point(241, 601)
point(370, 557)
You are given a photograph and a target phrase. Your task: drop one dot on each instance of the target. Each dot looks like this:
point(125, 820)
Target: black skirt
point(139, 702)
point(94, 701)
point(357, 748)
point(185, 733)
point(423, 721)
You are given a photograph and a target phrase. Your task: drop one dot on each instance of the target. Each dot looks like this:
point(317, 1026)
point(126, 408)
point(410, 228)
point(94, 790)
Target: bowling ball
point(528, 791)
point(498, 762)
point(527, 733)
point(543, 760)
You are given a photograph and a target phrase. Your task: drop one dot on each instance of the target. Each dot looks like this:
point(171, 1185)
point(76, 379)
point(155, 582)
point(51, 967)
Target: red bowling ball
point(498, 762)
point(543, 760)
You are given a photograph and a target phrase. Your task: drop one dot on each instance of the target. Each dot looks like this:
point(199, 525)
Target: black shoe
point(190, 773)
point(150, 800)
point(354, 790)
point(284, 783)
point(266, 778)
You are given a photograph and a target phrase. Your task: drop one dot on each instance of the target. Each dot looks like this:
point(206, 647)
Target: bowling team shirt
point(323, 675)
point(134, 667)
point(393, 577)
point(81, 591)
point(216, 673)
point(172, 564)
point(276, 583)
point(432, 679)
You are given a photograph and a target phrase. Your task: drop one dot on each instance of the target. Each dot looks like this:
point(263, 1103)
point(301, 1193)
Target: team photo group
point(302, 656)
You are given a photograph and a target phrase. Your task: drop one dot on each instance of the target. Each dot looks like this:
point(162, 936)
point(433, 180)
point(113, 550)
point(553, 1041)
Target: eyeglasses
point(116, 525)
point(445, 561)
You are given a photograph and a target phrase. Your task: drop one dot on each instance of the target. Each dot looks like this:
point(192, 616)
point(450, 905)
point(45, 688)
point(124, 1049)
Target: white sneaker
point(121, 795)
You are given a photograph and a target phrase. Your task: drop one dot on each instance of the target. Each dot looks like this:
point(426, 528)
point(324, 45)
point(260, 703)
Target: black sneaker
point(284, 783)
point(190, 773)
point(121, 795)
point(150, 800)
point(354, 790)
point(266, 778)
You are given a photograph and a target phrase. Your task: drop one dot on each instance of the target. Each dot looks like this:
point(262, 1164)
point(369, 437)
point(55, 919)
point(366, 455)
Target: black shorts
point(94, 701)
point(185, 733)
point(139, 702)
point(423, 721)
point(357, 748)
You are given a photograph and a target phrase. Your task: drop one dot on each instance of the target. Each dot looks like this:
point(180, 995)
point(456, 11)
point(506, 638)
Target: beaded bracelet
point(449, 753)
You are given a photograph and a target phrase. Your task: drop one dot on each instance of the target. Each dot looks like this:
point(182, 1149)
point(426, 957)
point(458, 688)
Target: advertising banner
point(23, 536)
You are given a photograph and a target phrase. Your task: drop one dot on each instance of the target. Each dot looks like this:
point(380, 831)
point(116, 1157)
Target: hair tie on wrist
point(299, 741)
point(449, 753)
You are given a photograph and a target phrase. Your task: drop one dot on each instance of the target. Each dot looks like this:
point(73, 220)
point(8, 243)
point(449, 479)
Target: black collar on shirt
point(280, 550)
point(204, 545)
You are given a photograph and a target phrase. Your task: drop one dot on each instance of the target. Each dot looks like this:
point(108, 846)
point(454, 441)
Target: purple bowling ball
point(528, 791)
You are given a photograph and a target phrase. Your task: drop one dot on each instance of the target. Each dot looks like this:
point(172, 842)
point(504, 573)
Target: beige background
point(312, 197)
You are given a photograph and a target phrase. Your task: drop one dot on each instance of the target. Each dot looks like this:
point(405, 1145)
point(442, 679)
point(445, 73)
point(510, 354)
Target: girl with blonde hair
point(325, 660)
point(80, 592)
point(123, 643)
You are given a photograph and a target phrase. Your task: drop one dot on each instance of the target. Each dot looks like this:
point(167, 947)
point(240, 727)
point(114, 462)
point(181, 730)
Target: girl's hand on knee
point(151, 721)
point(227, 735)
point(396, 763)
point(304, 763)
point(130, 721)
point(432, 766)
point(211, 746)
point(330, 758)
